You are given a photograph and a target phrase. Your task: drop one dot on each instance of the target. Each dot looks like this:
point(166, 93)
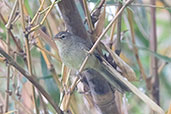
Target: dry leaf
point(126, 69)
point(100, 23)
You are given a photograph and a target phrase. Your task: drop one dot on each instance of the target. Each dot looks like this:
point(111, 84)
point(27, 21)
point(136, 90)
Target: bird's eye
point(63, 36)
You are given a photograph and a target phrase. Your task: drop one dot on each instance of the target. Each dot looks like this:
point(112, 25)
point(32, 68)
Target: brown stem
point(118, 43)
point(29, 63)
point(87, 13)
point(8, 74)
point(153, 63)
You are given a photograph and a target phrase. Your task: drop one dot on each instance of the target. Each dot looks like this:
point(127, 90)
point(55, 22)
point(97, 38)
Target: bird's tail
point(112, 79)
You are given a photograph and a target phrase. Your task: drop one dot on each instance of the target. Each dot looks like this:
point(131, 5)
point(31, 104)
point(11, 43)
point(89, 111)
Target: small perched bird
point(73, 50)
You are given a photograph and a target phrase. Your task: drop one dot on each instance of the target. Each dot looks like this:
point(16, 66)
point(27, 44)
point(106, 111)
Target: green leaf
point(159, 56)
point(26, 3)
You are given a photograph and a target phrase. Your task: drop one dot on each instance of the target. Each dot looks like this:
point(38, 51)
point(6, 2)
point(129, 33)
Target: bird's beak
point(56, 37)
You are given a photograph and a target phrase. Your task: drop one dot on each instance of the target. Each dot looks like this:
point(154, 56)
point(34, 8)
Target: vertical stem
point(118, 43)
point(8, 73)
point(29, 64)
point(90, 25)
point(22, 14)
point(153, 62)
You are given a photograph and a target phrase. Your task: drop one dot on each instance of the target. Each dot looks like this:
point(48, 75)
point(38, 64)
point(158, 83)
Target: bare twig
point(161, 67)
point(8, 74)
point(91, 28)
point(32, 79)
point(36, 15)
point(46, 51)
point(8, 25)
point(22, 14)
point(48, 11)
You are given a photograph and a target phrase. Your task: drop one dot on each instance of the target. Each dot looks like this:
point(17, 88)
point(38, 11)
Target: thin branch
point(161, 67)
point(22, 14)
point(41, 23)
point(90, 25)
point(8, 74)
point(46, 51)
point(38, 12)
point(8, 25)
point(32, 79)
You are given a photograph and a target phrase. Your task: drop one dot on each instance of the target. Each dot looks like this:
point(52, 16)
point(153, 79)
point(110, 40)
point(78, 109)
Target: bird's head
point(62, 37)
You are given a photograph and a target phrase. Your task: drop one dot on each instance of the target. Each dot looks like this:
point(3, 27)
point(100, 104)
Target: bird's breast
point(72, 57)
